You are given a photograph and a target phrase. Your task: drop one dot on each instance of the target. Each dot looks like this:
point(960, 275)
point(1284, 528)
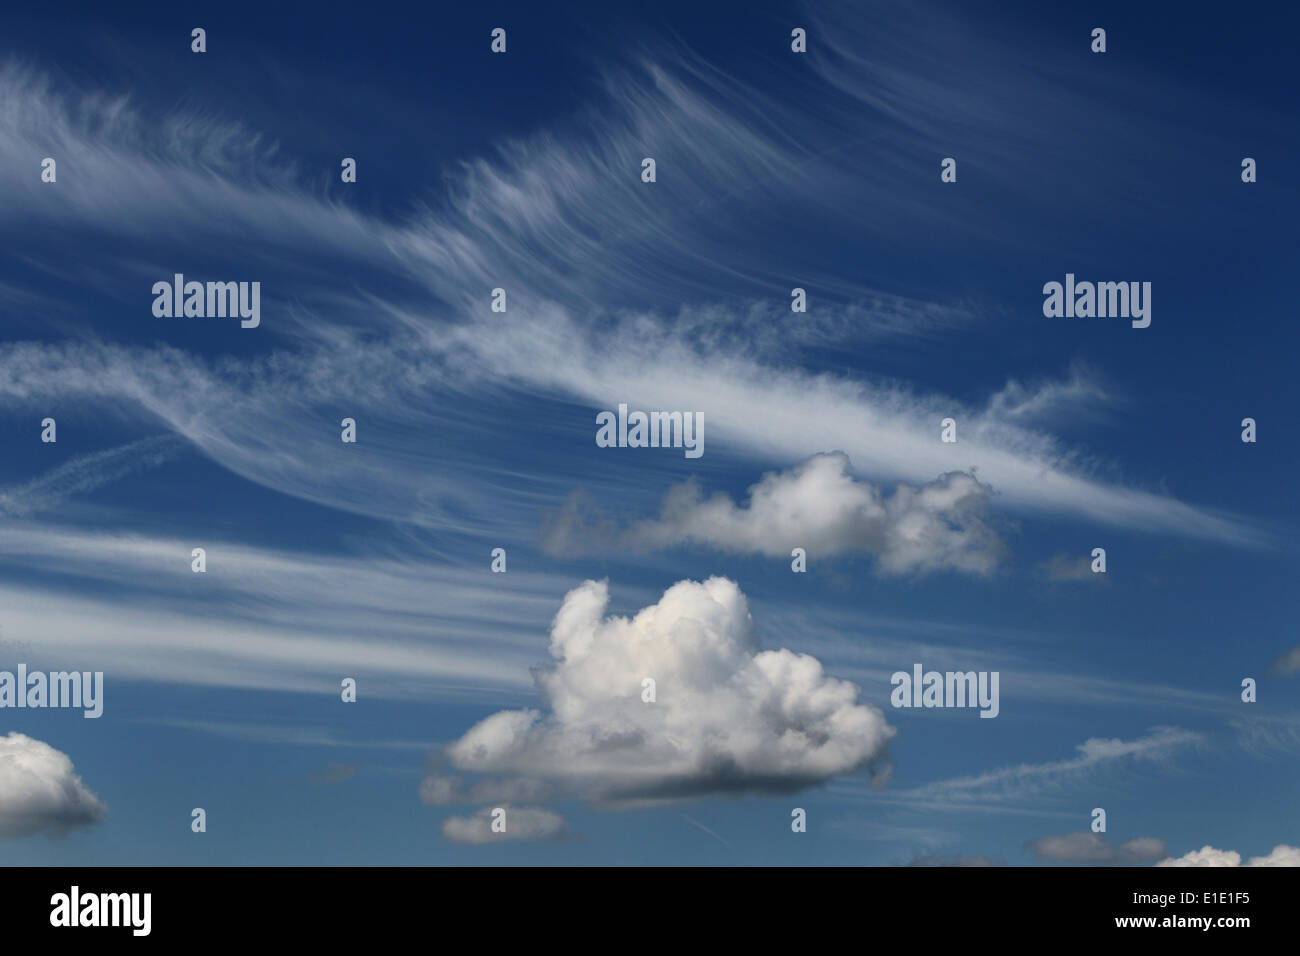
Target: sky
point(476, 429)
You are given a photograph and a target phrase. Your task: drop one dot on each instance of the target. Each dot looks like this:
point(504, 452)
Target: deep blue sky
point(775, 170)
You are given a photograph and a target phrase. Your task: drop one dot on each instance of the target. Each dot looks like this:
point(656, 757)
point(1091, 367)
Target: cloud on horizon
point(1281, 855)
point(1085, 846)
point(40, 791)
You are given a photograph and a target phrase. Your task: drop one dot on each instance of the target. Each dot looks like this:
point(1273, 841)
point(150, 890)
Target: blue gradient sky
point(522, 171)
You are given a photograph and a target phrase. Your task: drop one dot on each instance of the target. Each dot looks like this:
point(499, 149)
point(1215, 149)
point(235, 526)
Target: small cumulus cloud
point(1287, 664)
point(518, 823)
point(40, 791)
point(817, 505)
point(1282, 855)
point(1088, 847)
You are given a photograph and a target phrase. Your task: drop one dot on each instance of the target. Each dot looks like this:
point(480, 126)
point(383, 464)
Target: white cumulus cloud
point(819, 506)
point(40, 792)
point(520, 823)
point(1282, 855)
point(727, 716)
point(1084, 846)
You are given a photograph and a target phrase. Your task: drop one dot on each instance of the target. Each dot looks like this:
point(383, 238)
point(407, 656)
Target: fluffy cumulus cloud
point(40, 792)
point(515, 823)
point(1088, 847)
point(1282, 855)
point(817, 505)
point(727, 717)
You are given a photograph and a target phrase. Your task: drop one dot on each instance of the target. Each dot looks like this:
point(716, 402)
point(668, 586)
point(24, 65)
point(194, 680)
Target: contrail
point(697, 823)
point(85, 474)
